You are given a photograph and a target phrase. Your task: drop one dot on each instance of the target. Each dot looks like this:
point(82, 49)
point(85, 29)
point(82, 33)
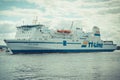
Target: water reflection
point(81, 66)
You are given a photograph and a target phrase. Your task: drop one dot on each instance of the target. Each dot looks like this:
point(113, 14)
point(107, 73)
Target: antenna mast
point(35, 21)
point(71, 25)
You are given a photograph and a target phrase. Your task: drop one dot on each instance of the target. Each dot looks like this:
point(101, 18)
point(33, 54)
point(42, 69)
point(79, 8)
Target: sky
point(59, 14)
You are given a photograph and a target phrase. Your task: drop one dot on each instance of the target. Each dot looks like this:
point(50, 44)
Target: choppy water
point(70, 66)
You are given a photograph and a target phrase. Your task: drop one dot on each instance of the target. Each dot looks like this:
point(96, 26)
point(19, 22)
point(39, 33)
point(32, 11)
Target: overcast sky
point(60, 13)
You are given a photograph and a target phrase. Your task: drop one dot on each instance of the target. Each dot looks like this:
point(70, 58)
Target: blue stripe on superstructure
point(97, 34)
point(73, 43)
point(43, 42)
point(62, 51)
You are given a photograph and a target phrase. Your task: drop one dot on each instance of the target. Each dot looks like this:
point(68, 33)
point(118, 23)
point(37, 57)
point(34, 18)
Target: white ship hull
point(26, 46)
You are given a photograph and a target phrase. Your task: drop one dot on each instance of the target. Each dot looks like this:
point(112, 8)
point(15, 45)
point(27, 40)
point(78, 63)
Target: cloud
point(7, 27)
point(7, 30)
point(115, 10)
point(21, 12)
point(77, 8)
point(94, 1)
point(64, 9)
point(60, 14)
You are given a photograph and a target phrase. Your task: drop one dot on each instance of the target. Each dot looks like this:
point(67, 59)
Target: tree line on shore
point(118, 47)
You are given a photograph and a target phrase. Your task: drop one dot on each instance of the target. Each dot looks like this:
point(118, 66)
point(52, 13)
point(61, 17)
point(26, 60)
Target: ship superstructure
point(41, 39)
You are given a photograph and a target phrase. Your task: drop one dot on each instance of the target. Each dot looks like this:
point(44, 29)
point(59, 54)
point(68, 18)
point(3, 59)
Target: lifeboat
point(64, 31)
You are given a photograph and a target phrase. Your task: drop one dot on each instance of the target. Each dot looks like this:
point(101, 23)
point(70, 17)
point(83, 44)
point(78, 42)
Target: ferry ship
point(40, 39)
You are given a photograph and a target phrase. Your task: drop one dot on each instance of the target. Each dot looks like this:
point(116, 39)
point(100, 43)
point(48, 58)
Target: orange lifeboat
point(64, 31)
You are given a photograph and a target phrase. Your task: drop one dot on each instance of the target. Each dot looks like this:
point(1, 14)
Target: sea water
point(60, 66)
